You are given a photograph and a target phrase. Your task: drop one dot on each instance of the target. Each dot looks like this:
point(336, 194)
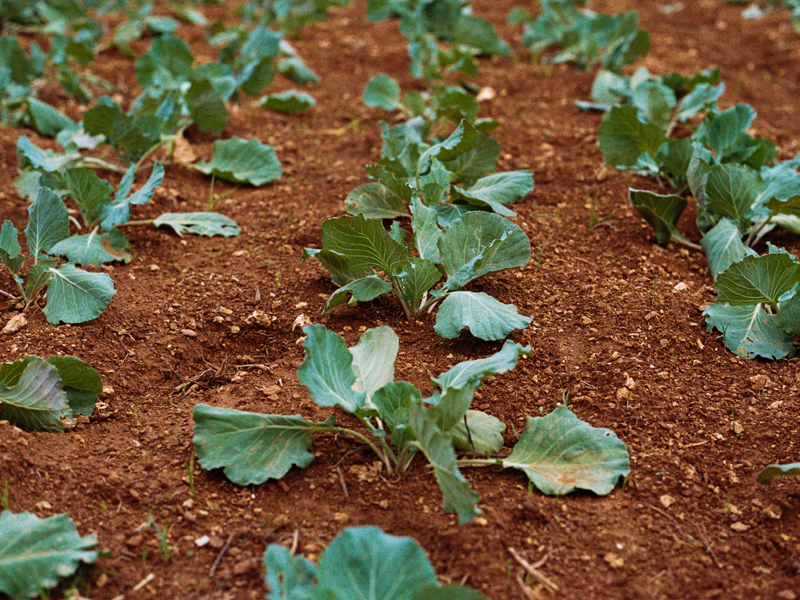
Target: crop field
point(400, 299)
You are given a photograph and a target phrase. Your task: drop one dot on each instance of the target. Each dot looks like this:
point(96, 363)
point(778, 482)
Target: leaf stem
point(480, 462)
point(100, 163)
point(139, 222)
point(360, 436)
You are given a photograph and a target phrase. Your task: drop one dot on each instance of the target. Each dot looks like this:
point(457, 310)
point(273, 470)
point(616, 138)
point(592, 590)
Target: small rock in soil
point(134, 541)
point(667, 500)
point(16, 323)
point(243, 567)
point(614, 561)
point(740, 527)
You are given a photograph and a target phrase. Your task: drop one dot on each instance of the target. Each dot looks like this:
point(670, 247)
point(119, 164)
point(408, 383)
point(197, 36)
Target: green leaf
point(448, 592)
point(497, 190)
point(426, 230)
point(438, 449)
point(290, 101)
point(119, 211)
point(250, 447)
point(76, 296)
point(758, 279)
point(662, 212)
point(485, 434)
point(416, 276)
point(296, 70)
point(289, 577)
point(732, 190)
point(459, 142)
point(10, 250)
point(392, 401)
point(240, 161)
point(364, 243)
point(788, 317)
point(48, 222)
point(364, 563)
point(560, 454)
point(458, 385)
point(80, 381)
point(47, 120)
point(487, 318)
point(206, 107)
point(789, 206)
point(338, 266)
point(723, 246)
point(89, 192)
point(704, 96)
point(770, 472)
point(365, 289)
point(31, 395)
point(749, 331)
point(373, 360)
point(43, 160)
point(199, 223)
point(327, 370)
point(727, 128)
point(655, 102)
point(623, 138)
point(94, 248)
point(480, 159)
point(35, 553)
point(382, 92)
point(481, 243)
point(374, 201)
point(39, 275)
point(166, 64)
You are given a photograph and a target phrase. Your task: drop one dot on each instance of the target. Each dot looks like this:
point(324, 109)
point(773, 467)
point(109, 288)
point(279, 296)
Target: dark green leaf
point(770, 472)
point(80, 381)
point(365, 289)
point(364, 243)
point(48, 222)
point(416, 276)
point(89, 192)
point(10, 249)
point(623, 138)
point(374, 201)
point(31, 395)
point(661, 212)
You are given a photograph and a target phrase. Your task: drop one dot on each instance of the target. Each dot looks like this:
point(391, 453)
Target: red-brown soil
point(700, 423)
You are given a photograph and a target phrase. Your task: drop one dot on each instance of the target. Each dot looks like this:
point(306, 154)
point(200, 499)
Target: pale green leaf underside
point(723, 246)
point(242, 161)
point(251, 447)
point(373, 359)
point(199, 223)
point(35, 553)
point(486, 318)
point(76, 296)
point(770, 472)
point(485, 433)
point(560, 454)
point(749, 331)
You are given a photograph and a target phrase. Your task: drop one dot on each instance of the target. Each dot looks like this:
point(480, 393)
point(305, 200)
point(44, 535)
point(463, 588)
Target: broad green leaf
point(723, 246)
point(296, 70)
point(454, 104)
point(480, 159)
point(206, 107)
point(47, 119)
point(364, 563)
point(447, 214)
point(732, 190)
point(394, 179)
point(655, 102)
point(365, 289)
point(448, 592)
point(758, 279)
point(487, 318)
point(438, 449)
point(240, 161)
point(770, 472)
point(80, 381)
point(166, 64)
point(382, 92)
point(221, 78)
point(788, 317)
point(35, 553)
point(749, 331)
point(32, 395)
point(416, 277)
point(560, 454)
point(704, 96)
point(676, 157)
point(374, 201)
point(662, 213)
point(623, 138)
point(289, 577)
point(43, 160)
point(76, 296)
point(251, 447)
point(392, 402)
point(481, 243)
point(48, 222)
point(119, 211)
point(10, 250)
point(459, 142)
point(485, 435)
point(373, 360)
point(290, 101)
point(790, 206)
point(497, 190)
point(94, 248)
point(426, 230)
point(327, 370)
point(458, 384)
point(39, 275)
point(199, 223)
point(88, 191)
point(364, 242)
point(726, 129)
point(338, 266)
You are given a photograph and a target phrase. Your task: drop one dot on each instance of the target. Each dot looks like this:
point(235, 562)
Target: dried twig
point(143, 582)
point(221, 554)
point(341, 480)
point(533, 569)
point(530, 594)
point(295, 539)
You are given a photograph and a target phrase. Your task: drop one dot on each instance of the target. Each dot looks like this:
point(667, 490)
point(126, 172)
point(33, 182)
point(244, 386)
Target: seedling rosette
point(558, 453)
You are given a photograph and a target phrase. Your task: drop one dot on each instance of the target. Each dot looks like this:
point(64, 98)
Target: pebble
point(134, 541)
point(740, 527)
point(14, 324)
point(667, 500)
point(614, 561)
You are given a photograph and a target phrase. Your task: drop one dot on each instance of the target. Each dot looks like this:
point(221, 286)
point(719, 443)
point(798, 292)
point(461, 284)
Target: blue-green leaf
point(749, 331)
point(32, 395)
point(199, 223)
point(240, 161)
point(758, 279)
point(94, 248)
point(76, 296)
point(48, 222)
point(497, 190)
point(723, 246)
point(382, 92)
point(290, 101)
point(487, 318)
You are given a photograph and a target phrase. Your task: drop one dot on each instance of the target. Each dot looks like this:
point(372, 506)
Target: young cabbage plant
point(39, 395)
point(454, 233)
point(73, 295)
point(558, 455)
point(360, 562)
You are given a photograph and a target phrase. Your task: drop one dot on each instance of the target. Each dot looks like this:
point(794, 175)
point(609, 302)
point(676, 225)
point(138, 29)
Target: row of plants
point(670, 128)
